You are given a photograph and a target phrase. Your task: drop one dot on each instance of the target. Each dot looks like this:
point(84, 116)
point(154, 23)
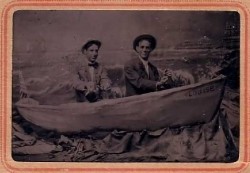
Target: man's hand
point(105, 87)
point(161, 83)
point(92, 92)
point(168, 73)
point(91, 86)
point(166, 80)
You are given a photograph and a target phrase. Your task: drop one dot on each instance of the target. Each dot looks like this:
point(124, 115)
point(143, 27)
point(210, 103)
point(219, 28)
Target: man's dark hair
point(147, 37)
point(90, 43)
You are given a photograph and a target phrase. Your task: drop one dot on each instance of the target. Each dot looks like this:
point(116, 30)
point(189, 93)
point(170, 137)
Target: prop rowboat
point(187, 105)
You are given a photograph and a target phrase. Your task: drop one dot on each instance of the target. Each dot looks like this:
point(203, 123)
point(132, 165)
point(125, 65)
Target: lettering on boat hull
point(202, 91)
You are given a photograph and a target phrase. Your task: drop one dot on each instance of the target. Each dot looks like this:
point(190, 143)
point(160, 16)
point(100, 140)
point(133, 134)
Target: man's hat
point(90, 43)
point(147, 37)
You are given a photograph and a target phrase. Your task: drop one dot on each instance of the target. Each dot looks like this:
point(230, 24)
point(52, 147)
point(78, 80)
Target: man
point(91, 82)
point(141, 76)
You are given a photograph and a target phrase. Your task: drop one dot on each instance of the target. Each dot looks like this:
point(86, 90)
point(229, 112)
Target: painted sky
point(64, 32)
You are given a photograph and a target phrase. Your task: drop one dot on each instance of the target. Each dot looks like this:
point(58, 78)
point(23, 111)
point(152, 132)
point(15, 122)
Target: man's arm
point(105, 83)
point(77, 83)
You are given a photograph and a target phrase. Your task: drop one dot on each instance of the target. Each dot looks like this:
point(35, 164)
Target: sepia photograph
point(125, 86)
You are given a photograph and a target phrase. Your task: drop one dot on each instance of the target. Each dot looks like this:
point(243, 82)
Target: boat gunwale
point(123, 99)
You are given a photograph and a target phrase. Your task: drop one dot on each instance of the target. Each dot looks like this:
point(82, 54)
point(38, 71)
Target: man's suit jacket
point(82, 77)
point(137, 80)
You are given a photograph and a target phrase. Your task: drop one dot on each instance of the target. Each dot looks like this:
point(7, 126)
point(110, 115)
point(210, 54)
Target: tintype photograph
point(125, 86)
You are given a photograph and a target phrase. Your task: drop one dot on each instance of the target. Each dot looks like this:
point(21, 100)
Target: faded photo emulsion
point(125, 86)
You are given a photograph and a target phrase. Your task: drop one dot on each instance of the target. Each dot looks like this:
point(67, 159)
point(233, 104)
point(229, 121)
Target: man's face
point(91, 53)
point(144, 49)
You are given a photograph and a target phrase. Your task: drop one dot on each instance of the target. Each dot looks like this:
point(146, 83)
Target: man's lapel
point(142, 68)
point(84, 70)
point(151, 72)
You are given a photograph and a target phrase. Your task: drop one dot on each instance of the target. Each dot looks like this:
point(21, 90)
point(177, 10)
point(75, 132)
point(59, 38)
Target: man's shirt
point(92, 73)
point(145, 63)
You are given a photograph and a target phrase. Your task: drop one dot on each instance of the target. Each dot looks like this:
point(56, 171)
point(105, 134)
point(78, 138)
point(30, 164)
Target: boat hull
point(187, 105)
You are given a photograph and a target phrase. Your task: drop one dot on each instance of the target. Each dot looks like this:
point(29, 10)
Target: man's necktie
point(92, 64)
